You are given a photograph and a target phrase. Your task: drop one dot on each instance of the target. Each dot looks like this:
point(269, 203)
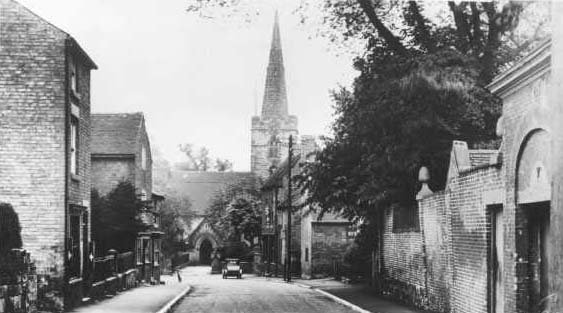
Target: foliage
point(236, 210)
point(197, 161)
point(200, 160)
point(175, 214)
point(223, 165)
point(114, 218)
point(243, 217)
point(10, 230)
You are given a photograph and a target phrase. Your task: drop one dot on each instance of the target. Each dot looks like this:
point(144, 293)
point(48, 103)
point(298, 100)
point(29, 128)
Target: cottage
point(121, 152)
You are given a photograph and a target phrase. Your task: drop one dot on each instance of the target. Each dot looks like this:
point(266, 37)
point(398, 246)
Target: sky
point(198, 80)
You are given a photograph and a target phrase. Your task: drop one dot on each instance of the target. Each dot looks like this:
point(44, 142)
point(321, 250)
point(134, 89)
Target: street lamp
point(289, 207)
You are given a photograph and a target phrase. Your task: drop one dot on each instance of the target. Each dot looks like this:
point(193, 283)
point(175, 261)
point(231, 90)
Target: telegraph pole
point(289, 207)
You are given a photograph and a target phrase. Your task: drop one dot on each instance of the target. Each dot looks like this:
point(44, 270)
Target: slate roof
point(115, 133)
point(201, 187)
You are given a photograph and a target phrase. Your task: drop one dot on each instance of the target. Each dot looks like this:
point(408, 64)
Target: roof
point(277, 176)
point(534, 62)
point(70, 41)
point(115, 134)
point(201, 187)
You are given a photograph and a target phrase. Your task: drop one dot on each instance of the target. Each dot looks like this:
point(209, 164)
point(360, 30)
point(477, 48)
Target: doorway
point(495, 263)
point(538, 229)
point(205, 250)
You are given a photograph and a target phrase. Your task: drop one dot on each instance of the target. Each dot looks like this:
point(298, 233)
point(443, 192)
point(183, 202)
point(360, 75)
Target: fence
point(110, 265)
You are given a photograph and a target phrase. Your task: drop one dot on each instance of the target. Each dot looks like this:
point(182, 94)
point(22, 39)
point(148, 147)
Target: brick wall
point(470, 230)
point(530, 107)
point(32, 133)
point(436, 229)
point(108, 172)
point(403, 262)
point(329, 242)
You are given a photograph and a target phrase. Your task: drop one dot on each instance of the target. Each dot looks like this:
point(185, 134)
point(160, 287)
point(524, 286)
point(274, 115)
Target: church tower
point(271, 130)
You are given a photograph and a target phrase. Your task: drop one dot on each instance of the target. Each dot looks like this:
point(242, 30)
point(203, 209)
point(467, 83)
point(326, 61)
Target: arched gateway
point(203, 240)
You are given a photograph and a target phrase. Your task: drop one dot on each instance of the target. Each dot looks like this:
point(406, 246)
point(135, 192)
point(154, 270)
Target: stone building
point(121, 152)
point(203, 188)
point(491, 241)
point(45, 147)
point(271, 130)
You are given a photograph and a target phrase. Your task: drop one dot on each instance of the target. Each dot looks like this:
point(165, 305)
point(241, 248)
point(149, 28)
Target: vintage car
point(232, 268)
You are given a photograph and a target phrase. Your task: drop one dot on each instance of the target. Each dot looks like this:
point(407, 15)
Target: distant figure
point(177, 270)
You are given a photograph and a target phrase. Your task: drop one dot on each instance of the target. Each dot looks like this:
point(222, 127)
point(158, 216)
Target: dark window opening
point(405, 219)
point(75, 255)
point(74, 145)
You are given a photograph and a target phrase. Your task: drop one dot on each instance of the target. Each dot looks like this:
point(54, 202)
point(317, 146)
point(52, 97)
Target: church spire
point(275, 95)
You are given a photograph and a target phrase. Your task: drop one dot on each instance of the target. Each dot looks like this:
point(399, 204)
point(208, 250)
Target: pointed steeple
point(275, 94)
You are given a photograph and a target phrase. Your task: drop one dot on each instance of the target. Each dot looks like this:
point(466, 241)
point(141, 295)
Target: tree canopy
point(114, 218)
point(235, 211)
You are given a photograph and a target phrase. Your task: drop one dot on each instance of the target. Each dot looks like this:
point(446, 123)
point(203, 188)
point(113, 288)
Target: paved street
point(213, 294)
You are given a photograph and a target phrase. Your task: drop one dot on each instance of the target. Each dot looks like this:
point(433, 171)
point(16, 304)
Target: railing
point(125, 261)
point(109, 265)
point(103, 267)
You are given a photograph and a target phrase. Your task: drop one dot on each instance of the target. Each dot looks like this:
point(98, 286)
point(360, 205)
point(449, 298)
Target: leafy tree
point(235, 210)
point(197, 161)
point(223, 165)
point(243, 218)
point(175, 215)
point(200, 160)
point(114, 218)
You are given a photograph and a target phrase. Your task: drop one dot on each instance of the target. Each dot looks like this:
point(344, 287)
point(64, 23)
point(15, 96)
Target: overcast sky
point(197, 80)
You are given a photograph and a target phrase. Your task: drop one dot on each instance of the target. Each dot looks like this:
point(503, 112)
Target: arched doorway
point(205, 250)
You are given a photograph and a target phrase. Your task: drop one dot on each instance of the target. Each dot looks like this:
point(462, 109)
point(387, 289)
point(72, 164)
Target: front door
point(538, 228)
point(496, 244)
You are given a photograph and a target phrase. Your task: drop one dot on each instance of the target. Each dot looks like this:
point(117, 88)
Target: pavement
point(144, 299)
point(212, 294)
point(359, 295)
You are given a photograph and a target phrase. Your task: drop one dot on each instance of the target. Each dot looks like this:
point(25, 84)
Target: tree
point(201, 160)
point(115, 222)
point(223, 165)
point(175, 215)
point(236, 210)
point(197, 161)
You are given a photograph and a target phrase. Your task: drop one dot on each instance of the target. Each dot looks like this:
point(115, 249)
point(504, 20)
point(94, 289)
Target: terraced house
point(121, 152)
point(45, 147)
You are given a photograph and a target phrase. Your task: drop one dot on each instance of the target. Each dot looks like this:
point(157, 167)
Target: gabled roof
point(202, 187)
point(116, 134)
point(70, 41)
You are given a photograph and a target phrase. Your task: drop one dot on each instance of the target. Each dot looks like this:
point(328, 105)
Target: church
point(270, 136)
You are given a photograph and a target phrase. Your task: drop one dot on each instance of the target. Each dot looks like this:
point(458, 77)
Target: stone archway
point(533, 210)
point(205, 250)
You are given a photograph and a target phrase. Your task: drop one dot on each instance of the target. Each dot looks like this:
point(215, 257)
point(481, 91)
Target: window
point(74, 145)
point(73, 78)
point(74, 252)
point(405, 219)
point(139, 251)
point(143, 158)
point(306, 254)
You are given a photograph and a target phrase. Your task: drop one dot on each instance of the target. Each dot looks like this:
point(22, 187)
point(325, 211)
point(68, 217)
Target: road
point(212, 294)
